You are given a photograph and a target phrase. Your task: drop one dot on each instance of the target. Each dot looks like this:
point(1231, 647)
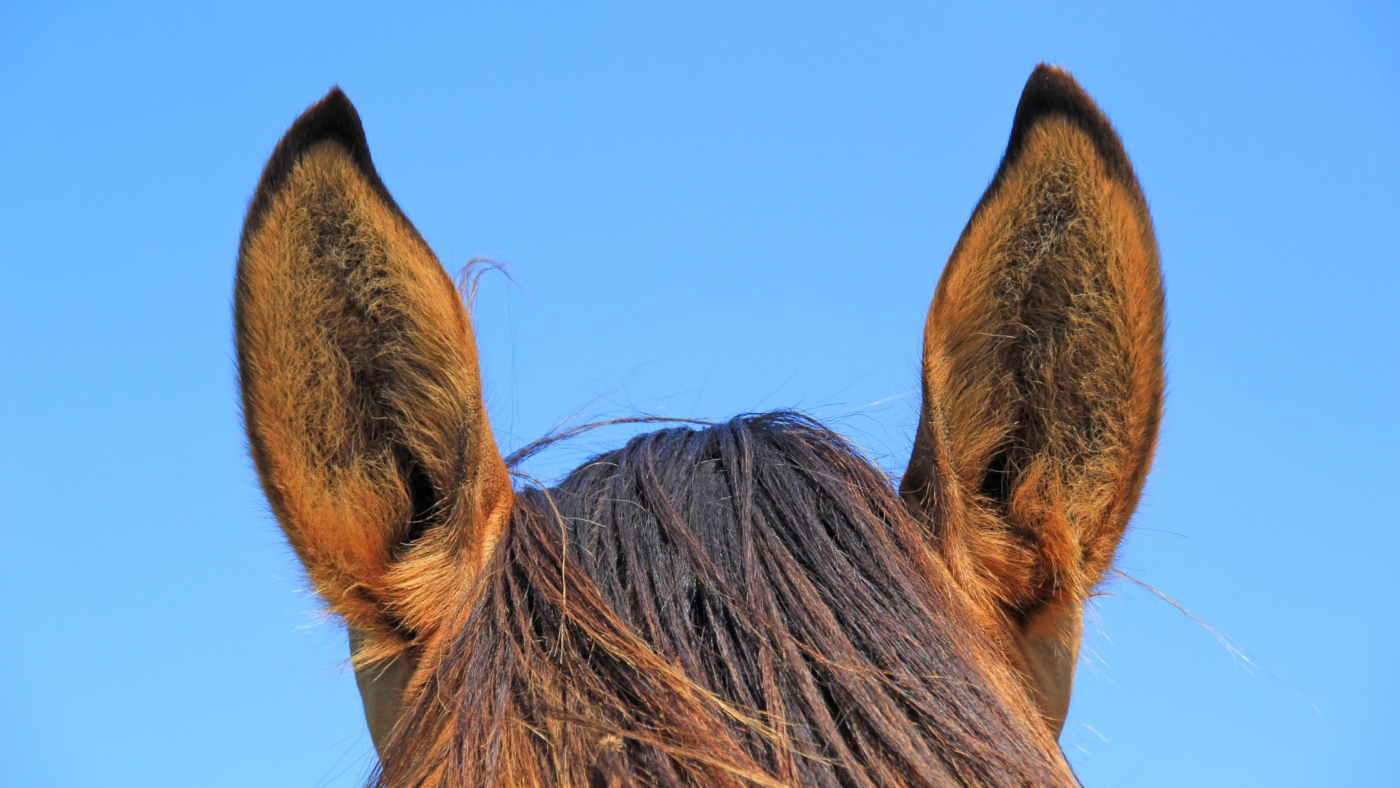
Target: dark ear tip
point(1047, 78)
point(333, 118)
point(1051, 91)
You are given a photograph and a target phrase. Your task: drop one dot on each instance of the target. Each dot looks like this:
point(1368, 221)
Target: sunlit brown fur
point(517, 657)
point(359, 377)
point(1042, 369)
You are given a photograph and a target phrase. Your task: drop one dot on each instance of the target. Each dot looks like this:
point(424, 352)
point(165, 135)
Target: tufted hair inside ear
point(1042, 365)
point(360, 385)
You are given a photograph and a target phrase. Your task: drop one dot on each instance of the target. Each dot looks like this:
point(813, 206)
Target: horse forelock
point(745, 604)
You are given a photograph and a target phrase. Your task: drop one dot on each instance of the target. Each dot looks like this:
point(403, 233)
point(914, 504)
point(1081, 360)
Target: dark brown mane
point(747, 604)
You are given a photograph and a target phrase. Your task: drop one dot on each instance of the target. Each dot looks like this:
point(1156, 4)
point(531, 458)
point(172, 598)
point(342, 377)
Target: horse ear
point(361, 391)
point(1042, 369)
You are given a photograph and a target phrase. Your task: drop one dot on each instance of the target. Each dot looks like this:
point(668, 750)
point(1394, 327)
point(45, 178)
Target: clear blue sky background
point(708, 212)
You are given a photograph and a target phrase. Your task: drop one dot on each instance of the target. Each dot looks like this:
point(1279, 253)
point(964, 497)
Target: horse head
point(743, 603)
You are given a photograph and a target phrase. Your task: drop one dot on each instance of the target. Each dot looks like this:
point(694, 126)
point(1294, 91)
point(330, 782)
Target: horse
point(742, 603)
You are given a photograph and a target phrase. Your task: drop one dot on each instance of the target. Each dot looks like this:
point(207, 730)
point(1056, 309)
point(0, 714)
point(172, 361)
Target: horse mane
point(747, 604)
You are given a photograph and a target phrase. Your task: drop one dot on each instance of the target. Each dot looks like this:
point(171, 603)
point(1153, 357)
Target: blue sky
point(706, 211)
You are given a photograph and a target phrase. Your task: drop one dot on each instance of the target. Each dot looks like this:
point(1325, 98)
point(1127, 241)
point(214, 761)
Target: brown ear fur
point(361, 390)
point(1042, 364)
